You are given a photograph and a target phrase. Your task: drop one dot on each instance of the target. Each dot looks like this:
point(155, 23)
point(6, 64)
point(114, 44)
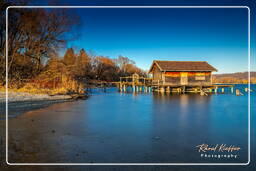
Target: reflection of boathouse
point(187, 73)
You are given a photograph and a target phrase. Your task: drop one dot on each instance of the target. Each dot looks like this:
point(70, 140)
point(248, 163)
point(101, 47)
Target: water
point(133, 128)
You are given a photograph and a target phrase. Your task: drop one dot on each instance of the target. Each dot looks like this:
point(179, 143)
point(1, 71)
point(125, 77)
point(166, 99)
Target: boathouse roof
point(182, 66)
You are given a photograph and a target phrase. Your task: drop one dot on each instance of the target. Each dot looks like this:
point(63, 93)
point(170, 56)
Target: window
point(200, 76)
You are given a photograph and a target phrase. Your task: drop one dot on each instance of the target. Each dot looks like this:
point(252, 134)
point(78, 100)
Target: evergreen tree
point(83, 58)
point(69, 57)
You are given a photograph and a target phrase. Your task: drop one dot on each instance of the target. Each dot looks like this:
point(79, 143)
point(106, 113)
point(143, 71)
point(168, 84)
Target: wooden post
point(222, 90)
point(168, 89)
point(216, 90)
point(196, 90)
point(238, 93)
point(161, 89)
point(179, 90)
point(201, 92)
point(183, 89)
point(124, 88)
point(121, 88)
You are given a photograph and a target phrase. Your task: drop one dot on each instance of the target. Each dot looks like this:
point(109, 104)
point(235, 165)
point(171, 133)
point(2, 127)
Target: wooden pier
point(135, 83)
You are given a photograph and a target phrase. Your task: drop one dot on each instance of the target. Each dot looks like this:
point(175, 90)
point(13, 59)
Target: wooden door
point(183, 78)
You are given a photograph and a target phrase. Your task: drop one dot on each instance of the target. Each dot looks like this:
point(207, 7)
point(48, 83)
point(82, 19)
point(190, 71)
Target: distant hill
point(238, 77)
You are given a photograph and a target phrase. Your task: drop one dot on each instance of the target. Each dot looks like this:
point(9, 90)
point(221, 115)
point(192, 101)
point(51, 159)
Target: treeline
point(93, 67)
point(35, 36)
point(76, 70)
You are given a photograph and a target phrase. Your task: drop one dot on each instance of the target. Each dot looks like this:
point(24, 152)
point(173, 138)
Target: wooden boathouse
point(183, 76)
point(175, 76)
point(187, 73)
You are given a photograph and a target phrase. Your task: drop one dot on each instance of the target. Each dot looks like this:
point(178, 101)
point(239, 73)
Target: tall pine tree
point(83, 58)
point(69, 57)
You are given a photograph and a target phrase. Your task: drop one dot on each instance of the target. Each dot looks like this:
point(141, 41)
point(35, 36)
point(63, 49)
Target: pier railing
point(135, 81)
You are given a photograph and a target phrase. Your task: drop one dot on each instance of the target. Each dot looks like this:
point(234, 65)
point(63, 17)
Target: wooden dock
point(135, 83)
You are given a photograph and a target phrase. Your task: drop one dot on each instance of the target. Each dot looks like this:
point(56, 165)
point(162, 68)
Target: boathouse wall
point(157, 74)
point(193, 78)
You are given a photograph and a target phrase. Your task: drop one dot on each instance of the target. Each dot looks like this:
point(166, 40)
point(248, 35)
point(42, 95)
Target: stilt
point(161, 89)
point(183, 89)
point(195, 90)
point(168, 89)
point(238, 93)
point(201, 92)
point(121, 87)
point(232, 89)
point(179, 90)
point(250, 90)
point(222, 90)
point(137, 88)
point(216, 90)
point(124, 88)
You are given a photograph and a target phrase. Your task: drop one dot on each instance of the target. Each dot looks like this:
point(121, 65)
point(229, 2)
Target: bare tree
point(31, 42)
point(123, 63)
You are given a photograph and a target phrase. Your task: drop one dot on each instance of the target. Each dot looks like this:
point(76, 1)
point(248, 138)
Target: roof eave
point(154, 62)
point(189, 70)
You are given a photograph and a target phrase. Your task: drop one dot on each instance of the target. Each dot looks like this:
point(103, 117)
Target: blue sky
point(218, 36)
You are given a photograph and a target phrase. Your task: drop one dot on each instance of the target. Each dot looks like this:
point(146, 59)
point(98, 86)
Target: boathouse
point(181, 73)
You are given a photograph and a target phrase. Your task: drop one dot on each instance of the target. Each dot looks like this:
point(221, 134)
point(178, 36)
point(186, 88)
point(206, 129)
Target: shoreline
point(21, 102)
point(24, 96)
